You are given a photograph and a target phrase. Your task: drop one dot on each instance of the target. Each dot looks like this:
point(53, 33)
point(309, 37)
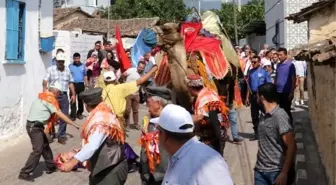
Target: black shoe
point(51, 170)
point(135, 127)
point(73, 118)
point(27, 178)
point(237, 140)
point(79, 116)
point(62, 140)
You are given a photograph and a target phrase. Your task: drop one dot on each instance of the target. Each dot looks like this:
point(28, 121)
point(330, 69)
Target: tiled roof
point(317, 52)
point(304, 13)
point(60, 13)
point(128, 27)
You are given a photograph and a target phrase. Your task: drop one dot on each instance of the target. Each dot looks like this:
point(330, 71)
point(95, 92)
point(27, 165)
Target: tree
point(253, 10)
point(168, 11)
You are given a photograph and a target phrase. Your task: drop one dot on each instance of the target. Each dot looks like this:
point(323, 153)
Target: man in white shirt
point(301, 71)
point(190, 161)
point(133, 101)
point(267, 57)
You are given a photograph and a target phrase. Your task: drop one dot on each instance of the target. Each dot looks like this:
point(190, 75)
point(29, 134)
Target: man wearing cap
point(153, 158)
point(43, 111)
point(190, 161)
point(63, 75)
point(103, 143)
point(115, 94)
point(210, 114)
point(269, 68)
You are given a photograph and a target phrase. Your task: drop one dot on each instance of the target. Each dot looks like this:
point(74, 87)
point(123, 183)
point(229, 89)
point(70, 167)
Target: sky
point(208, 4)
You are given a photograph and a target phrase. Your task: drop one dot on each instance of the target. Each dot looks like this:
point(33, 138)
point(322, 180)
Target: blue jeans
point(63, 102)
point(233, 123)
point(265, 178)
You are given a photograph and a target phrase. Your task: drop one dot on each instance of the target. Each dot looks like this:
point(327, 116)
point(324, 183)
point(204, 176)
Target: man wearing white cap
point(267, 65)
point(191, 162)
point(115, 94)
point(44, 111)
point(63, 75)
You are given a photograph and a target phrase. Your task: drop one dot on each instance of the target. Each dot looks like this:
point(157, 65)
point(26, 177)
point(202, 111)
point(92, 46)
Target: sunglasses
point(254, 62)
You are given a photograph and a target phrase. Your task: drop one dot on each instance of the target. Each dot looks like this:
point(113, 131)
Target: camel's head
point(168, 35)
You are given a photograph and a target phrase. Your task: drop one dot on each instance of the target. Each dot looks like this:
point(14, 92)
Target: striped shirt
point(271, 153)
point(64, 77)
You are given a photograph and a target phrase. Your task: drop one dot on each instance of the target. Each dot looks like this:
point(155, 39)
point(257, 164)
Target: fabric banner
point(139, 48)
point(163, 74)
point(212, 55)
point(189, 32)
point(121, 54)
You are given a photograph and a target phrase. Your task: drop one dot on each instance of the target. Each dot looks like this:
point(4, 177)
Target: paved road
point(240, 158)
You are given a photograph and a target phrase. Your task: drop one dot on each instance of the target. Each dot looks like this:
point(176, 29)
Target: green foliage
point(168, 11)
point(253, 10)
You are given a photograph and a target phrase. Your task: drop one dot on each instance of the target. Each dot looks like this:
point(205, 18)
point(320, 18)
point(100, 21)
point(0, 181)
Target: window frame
point(21, 31)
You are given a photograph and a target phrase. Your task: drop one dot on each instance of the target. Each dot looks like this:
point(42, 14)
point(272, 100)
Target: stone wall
point(322, 25)
point(321, 91)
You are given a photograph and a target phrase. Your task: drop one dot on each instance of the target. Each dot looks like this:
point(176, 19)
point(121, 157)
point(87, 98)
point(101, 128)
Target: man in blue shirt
point(78, 73)
point(256, 77)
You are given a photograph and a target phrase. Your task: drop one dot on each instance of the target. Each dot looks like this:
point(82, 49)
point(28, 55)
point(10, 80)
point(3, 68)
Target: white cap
point(173, 117)
point(60, 56)
point(267, 63)
point(55, 85)
point(109, 76)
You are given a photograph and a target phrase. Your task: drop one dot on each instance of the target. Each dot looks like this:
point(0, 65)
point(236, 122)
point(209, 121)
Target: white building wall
point(290, 35)
point(72, 42)
point(21, 83)
point(274, 12)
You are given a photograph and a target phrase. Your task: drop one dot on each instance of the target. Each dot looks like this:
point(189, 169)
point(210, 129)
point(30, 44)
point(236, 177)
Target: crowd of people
point(174, 140)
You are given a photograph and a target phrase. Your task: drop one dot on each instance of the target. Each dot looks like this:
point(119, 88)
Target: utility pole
point(235, 22)
point(108, 21)
point(199, 7)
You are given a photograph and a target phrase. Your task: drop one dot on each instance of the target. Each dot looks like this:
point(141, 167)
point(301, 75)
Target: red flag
point(189, 32)
point(121, 54)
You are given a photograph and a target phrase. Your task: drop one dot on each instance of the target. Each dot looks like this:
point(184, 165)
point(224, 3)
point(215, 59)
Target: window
point(15, 31)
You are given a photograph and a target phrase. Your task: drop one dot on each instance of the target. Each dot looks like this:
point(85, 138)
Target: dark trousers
point(255, 108)
point(41, 147)
point(63, 102)
point(243, 89)
point(114, 175)
point(79, 87)
point(285, 102)
point(151, 181)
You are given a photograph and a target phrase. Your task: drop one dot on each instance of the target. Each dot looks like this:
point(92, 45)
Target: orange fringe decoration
point(112, 130)
point(146, 141)
point(220, 107)
point(50, 98)
point(238, 102)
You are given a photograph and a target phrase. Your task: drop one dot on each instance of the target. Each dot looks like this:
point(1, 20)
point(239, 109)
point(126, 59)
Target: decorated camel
point(175, 41)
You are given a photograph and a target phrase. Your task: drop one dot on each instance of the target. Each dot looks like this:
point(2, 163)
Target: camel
point(170, 41)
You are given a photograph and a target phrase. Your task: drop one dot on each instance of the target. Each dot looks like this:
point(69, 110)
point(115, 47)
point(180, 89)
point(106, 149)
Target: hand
point(73, 99)
point(68, 166)
point(281, 179)
point(291, 96)
point(197, 118)
point(247, 102)
point(76, 126)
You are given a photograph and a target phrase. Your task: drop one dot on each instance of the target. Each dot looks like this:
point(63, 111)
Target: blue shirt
point(258, 76)
point(284, 74)
point(197, 164)
point(148, 67)
point(78, 72)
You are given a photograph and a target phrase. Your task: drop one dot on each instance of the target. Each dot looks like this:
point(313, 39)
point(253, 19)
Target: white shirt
point(63, 77)
point(197, 164)
point(300, 68)
point(132, 74)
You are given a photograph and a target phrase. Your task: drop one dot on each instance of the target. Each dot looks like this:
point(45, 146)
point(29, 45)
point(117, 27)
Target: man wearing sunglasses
point(257, 76)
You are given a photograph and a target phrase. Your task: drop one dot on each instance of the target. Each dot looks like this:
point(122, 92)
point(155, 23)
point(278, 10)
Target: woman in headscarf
point(93, 67)
point(195, 66)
